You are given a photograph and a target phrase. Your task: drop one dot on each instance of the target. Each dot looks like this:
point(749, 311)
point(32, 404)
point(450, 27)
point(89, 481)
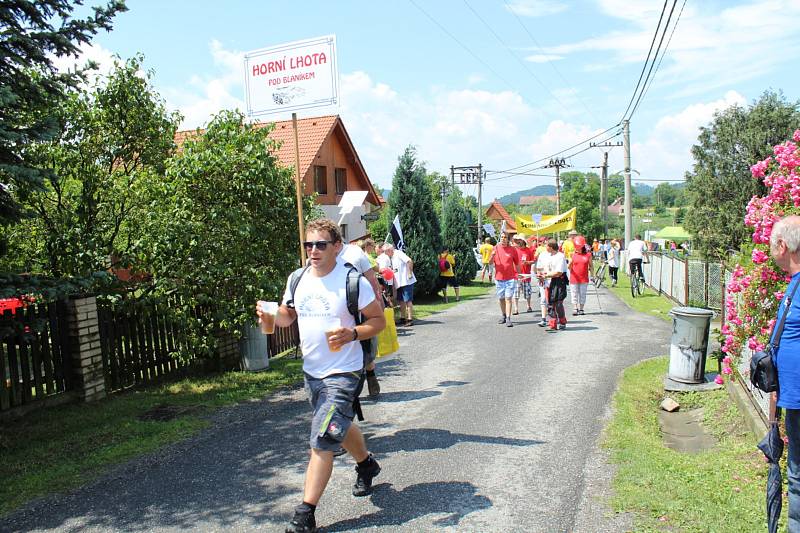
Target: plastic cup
point(268, 312)
point(333, 325)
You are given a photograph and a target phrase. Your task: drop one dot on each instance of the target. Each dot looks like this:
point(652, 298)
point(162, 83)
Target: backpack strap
point(294, 281)
point(352, 292)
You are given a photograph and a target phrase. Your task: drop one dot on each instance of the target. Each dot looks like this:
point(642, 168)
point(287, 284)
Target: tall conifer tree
point(411, 200)
point(33, 34)
point(458, 237)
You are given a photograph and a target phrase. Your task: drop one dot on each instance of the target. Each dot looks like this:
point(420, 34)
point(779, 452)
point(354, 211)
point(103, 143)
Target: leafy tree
point(33, 34)
point(582, 191)
point(221, 233)
point(379, 228)
point(665, 195)
point(411, 199)
point(543, 206)
point(458, 237)
point(88, 209)
point(680, 215)
point(720, 184)
point(439, 186)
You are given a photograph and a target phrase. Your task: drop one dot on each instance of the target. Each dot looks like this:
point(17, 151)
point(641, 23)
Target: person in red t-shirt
point(579, 269)
point(506, 267)
point(526, 259)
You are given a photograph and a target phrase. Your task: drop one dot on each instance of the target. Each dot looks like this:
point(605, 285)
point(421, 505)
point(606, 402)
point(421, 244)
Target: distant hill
point(540, 190)
point(642, 189)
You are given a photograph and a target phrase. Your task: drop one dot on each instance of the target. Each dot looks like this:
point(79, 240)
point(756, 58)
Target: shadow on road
point(452, 383)
point(456, 499)
point(433, 439)
point(401, 396)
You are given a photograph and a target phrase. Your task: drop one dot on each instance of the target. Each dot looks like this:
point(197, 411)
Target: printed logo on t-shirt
point(314, 306)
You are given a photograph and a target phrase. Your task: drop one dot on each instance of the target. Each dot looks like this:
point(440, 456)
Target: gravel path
point(480, 428)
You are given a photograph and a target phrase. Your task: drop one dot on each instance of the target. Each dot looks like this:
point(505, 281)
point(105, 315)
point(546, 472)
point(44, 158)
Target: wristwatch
point(355, 334)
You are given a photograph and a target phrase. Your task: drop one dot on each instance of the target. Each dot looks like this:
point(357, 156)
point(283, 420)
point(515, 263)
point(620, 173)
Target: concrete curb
point(752, 416)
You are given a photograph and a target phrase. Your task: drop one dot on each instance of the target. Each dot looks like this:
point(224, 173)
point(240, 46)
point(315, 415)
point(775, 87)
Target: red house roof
point(311, 134)
point(498, 213)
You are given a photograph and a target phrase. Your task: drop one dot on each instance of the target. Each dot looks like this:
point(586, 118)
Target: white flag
point(503, 227)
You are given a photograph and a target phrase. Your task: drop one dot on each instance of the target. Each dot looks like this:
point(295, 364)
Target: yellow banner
point(548, 223)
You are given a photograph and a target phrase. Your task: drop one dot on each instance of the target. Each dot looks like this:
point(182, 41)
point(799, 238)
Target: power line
point(647, 87)
point(521, 62)
point(647, 60)
point(524, 27)
point(561, 151)
point(465, 47)
point(652, 64)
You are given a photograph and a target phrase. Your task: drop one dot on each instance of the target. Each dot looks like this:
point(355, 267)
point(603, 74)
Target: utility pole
point(604, 195)
point(470, 175)
point(558, 164)
point(480, 204)
point(626, 144)
point(604, 184)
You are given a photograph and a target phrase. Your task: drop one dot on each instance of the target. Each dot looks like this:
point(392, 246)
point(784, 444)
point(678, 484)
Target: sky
point(503, 83)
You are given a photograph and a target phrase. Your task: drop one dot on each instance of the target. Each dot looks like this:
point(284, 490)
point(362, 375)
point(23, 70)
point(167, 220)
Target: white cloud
point(711, 48)
point(204, 96)
point(666, 151)
point(449, 127)
point(535, 8)
point(88, 52)
point(543, 58)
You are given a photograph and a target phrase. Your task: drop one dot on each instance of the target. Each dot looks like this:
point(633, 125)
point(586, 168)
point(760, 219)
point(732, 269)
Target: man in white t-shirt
point(542, 266)
point(404, 280)
point(636, 249)
point(332, 363)
point(355, 256)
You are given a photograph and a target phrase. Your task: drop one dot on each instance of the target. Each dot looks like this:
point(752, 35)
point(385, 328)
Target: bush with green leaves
point(222, 230)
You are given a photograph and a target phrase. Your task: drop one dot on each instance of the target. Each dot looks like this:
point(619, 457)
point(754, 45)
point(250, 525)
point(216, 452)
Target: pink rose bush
point(758, 286)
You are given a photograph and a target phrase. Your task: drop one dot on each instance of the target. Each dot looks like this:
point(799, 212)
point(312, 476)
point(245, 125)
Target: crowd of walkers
point(521, 266)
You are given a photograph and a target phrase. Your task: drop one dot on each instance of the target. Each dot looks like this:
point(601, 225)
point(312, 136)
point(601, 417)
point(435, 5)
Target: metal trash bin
point(254, 350)
point(687, 354)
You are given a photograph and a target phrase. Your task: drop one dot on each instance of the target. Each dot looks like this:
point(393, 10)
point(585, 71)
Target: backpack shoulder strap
point(353, 277)
point(294, 281)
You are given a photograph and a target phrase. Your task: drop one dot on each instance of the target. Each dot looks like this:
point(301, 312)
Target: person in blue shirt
point(784, 244)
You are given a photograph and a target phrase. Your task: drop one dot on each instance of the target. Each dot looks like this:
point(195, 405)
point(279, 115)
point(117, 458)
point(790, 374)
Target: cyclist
point(636, 250)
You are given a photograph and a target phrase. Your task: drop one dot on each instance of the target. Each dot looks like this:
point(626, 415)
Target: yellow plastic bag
point(387, 339)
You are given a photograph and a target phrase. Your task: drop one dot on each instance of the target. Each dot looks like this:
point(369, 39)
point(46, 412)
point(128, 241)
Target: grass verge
point(59, 448)
point(649, 302)
point(720, 490)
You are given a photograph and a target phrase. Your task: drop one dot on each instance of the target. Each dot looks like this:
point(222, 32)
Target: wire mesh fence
point(685, 281)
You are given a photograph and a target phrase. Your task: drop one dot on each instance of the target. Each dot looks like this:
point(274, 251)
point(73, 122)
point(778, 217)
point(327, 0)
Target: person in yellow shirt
point(568, 247)
point(447, 275)
point(486, 254)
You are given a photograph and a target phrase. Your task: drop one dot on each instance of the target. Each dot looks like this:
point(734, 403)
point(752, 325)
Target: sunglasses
point(320, 245)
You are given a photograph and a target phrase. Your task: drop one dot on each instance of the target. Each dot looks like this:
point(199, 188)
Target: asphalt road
point(480, 428)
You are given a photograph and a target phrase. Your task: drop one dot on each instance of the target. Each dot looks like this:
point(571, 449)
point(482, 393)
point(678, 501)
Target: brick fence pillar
point(87, 359)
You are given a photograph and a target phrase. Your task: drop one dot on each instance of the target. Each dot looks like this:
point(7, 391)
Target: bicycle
point(637, 283)
point(600, 275)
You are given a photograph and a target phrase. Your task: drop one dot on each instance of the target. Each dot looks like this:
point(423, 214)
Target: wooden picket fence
point(137, 343)
point(284, 339)
point(35, 360)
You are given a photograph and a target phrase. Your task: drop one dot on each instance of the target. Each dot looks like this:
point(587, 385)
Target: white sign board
point(488, 228)
point(292, 76)
point(350, 200)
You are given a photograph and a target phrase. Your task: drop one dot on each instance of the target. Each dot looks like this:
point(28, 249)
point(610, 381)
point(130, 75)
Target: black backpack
point(352, 291)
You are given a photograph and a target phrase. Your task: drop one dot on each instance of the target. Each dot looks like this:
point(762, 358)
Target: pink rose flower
point(719, 380)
